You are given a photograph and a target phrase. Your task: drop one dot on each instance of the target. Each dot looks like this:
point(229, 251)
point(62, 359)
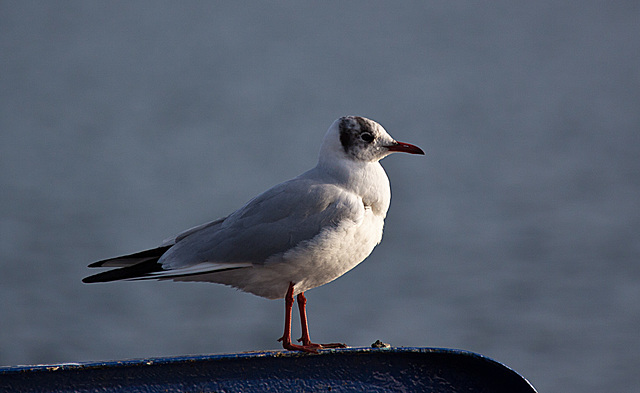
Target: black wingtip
point(91, 279)
point(97, 264)
point(136, 271)
point(154, 253)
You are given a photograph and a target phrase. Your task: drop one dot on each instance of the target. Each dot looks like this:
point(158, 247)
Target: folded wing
point(270, 224)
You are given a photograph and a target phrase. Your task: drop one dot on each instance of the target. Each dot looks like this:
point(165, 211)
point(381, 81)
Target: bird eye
point(367, 137)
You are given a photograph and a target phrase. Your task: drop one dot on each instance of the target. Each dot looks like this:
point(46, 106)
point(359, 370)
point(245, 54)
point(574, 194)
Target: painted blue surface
point(345, 370)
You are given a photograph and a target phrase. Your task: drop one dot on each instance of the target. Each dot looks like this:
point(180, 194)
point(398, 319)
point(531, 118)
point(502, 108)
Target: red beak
point(405, 148)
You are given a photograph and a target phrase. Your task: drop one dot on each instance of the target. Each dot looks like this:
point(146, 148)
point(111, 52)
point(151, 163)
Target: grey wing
point(271, 223)
point(173, 240)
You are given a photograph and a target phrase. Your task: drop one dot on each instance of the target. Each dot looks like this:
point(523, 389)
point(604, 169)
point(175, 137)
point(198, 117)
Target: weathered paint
point(343, 370)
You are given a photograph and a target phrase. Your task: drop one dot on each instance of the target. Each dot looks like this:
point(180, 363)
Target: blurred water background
point(517, 236)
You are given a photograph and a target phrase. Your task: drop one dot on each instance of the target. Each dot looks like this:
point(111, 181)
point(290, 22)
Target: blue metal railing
point(343, 370)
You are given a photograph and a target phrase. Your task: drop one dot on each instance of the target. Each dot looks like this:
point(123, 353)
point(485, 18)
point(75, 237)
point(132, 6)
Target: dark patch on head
point(345, 134)
point(363, 123)
point(356, 133)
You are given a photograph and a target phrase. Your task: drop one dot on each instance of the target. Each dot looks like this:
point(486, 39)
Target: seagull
point(296, 236)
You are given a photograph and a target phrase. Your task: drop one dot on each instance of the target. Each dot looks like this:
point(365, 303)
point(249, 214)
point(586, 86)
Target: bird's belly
point(312, 263)
point(334, 254)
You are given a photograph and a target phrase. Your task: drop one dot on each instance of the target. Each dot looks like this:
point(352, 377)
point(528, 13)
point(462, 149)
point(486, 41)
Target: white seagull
point(296, 236)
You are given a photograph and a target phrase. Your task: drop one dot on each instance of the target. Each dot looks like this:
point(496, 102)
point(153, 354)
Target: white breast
point(335, 250)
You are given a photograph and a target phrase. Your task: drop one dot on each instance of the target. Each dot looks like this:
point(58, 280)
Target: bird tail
point(130, 266)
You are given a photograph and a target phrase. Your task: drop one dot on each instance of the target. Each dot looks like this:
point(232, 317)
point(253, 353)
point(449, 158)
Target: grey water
point(517, 235)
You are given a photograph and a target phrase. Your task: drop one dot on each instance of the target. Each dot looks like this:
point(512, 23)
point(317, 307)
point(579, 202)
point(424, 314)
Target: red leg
point(302, 308)
point(306, 341)
point(286, 337)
